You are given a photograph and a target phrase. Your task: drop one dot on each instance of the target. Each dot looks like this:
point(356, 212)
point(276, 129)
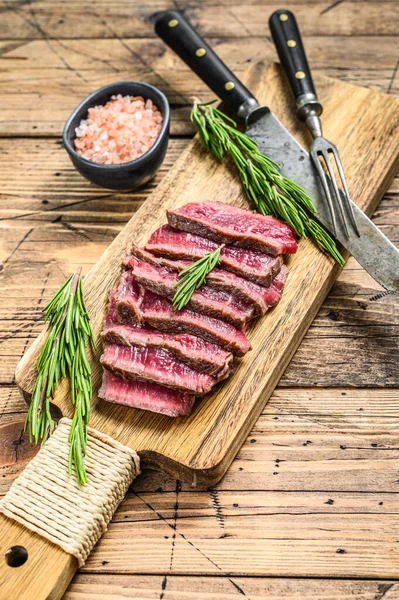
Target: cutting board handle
point(49, 523)
point(31, 567)
point(175, 31)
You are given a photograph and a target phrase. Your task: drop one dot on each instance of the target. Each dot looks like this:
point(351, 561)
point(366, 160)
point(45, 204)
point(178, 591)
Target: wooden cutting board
point(200, 448)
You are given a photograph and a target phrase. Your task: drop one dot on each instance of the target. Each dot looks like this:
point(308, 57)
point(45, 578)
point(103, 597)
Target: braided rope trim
point(48, 501)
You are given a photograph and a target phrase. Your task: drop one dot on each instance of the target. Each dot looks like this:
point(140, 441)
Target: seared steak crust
point(244, 262)
point(206, 300)
point(159, 313)
point(259, 296)
point(227, 224)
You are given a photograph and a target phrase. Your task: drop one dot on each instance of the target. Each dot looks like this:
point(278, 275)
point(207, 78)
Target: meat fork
point(292, 55)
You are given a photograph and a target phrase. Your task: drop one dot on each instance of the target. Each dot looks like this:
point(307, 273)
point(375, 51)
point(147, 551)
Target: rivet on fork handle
point(292, 55)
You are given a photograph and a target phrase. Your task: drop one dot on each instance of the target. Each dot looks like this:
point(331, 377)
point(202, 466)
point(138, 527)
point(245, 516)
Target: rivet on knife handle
point(177, 33)
point(288, 42)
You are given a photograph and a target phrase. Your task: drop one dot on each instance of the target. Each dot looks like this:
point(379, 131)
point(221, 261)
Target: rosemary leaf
point(269, 191)
point(64, 355)
point(193, 276)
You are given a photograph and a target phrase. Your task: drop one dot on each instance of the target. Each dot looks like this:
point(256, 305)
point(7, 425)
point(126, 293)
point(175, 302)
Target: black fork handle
point(177, 33)
point(288, 42)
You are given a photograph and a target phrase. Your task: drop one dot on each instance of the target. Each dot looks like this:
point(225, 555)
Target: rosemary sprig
point(193, 276)
point(269, 191)
point(64, 355)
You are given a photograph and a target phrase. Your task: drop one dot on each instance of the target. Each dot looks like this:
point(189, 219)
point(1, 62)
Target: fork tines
point(321, 148)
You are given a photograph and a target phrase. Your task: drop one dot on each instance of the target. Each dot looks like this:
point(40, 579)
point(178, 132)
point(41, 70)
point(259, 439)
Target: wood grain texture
point(121, 19)
point(202, 446)
point(51, 220)
point(317, 474)
point(64, 70)
point(28, 581)
point(112, 587)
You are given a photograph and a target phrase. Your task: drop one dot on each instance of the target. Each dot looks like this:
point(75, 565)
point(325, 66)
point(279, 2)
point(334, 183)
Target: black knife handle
point(288, 41)
point(177, 33)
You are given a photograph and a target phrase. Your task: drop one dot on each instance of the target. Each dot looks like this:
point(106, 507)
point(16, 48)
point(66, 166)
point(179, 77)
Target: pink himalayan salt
point(120, 131)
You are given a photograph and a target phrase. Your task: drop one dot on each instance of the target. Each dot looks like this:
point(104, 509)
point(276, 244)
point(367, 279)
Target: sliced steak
point(154, 259)
point(274, 292)
point(261, 297)
point(111, 315)
point(249, 264)
point(190, 349)
point(142, 363)
point(228, 224)
point(128, 299)
point(158, 312)
point(252, 293)
point(205, 300)
point(145, 395)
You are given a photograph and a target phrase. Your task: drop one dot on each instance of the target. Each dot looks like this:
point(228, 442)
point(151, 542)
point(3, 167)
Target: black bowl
point(129, 175)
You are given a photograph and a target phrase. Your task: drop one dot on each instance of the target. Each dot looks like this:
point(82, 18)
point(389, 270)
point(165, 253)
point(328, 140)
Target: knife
point(372, 249)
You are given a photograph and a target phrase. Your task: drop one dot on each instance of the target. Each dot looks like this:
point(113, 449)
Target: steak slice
point(190, 349)
point(277, 287)
point(205, 300)
point(261, 297)
point(145, 395)
point(158, 312)
point(128, 299)
point(142, 363)
point(153, 259)
point(248, 291)
point(228, 224)
point(249, 264)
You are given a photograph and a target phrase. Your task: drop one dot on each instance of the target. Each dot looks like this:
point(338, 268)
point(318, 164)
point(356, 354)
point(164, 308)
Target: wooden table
point(309, 507)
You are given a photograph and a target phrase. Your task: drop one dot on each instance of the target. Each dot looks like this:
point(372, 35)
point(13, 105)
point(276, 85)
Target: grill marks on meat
point(228, 224)
point(260, 297)
point(158, 312)
point(205, 300)
point(145, 395)
point(249, 264)
point(143, 363)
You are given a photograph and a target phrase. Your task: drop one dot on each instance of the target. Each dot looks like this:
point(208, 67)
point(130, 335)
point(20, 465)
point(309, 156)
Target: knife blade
point(372, 249)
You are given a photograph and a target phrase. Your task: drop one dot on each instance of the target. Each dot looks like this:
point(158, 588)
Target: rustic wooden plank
point(146, 55)
point(345, 530)
point(199, 181)
point(217, 503)
point(284, 545)
point(77, 19)
point(351, 340)
point(174, 587)
point(67, 70)
point(370, 412)
point(38, 181)
point(358, 338)
point(306, 440)
point(11, 401)
point(323, 479)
